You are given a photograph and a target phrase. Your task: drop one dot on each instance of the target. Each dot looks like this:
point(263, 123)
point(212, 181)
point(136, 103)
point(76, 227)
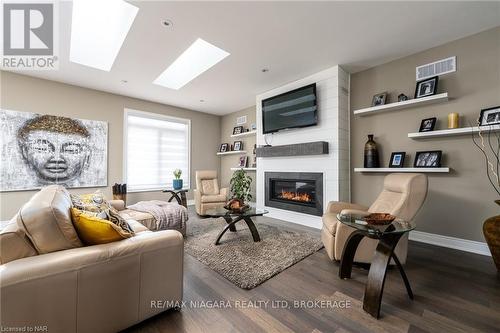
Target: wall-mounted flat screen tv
point(296, 108)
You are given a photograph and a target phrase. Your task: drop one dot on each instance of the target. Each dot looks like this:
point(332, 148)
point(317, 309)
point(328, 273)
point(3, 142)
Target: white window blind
point(156, 145)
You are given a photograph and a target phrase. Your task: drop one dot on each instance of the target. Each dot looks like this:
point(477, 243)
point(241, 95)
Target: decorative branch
point(493, 179)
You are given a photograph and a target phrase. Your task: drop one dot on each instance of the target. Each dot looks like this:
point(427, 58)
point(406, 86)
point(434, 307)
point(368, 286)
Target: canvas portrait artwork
point(39, 150)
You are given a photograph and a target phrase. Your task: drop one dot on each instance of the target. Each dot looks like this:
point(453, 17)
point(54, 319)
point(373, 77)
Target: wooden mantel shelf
point(298, 149)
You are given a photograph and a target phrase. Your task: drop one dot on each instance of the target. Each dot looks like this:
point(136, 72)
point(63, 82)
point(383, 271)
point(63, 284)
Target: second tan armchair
point(207, 194)
point(402, 196)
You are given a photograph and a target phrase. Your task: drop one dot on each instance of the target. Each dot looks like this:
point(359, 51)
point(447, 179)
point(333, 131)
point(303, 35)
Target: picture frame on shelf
point(489, 116)
point(397, 159)
point(238, 145)
point(237, 130)
point(428, 159)
point(224, 147)
point(428, 124)
point(379, 99)
point(242, 163)
point(426, 87)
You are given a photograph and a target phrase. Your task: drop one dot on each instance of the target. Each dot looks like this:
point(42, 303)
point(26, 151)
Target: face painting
point(56, 156)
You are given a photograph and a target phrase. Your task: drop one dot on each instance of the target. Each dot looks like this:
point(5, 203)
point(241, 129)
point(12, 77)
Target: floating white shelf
point(402, 105)
point(439, 170)
point(232, 152)
point(246, 169)
point(453, 132)
point(254, 132)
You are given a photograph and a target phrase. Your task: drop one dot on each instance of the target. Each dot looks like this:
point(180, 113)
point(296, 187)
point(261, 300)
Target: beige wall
point(458, 202)
point(23, 93)
point(228, 122)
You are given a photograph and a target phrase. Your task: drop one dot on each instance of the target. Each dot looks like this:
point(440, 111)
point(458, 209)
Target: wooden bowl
point(237, 210)
point(379, 218)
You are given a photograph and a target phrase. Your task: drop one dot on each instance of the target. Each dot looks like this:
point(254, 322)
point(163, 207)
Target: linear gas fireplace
point(297, 191)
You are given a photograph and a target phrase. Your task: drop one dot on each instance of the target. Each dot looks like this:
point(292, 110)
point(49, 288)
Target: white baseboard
point(451, 242)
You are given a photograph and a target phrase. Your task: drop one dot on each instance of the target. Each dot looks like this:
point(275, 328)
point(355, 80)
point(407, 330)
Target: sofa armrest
point(117, 204)
point(336, 207)
point(355, 212)
point(224, 191)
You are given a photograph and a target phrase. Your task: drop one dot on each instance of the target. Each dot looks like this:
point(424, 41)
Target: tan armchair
point(403, 195)
point(207, 194)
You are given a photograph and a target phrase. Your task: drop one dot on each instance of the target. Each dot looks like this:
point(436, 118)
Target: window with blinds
point(155, 145)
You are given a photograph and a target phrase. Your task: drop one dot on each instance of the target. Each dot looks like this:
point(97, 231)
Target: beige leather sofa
point(403, 195)
point(207, 194)
point(48, 278)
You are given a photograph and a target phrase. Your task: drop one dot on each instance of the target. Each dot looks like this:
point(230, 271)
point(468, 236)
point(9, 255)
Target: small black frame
point(422, 161)
point(238, 145)
point(494, 121)
point(428, 124)
point(432, 85)
point(402, 155)
point(237, 130)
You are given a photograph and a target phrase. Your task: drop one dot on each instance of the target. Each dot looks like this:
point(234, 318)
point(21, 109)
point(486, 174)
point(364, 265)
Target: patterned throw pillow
point(93, 230)
point(94, 204)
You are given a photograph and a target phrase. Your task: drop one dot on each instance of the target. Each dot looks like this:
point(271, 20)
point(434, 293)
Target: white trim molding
point(451, 242)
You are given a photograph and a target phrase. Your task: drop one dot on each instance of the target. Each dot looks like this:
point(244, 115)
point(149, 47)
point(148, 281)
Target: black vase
point(371, 153)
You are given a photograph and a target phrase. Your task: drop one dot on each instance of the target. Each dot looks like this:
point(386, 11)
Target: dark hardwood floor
point(454, 292)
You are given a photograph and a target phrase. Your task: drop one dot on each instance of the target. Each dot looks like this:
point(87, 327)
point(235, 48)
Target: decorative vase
point(453, 120)
point(177, 183)
point(491, 231)
point(371, 153)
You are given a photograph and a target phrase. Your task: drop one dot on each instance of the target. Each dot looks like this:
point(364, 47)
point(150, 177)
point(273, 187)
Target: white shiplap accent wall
point(333, 126)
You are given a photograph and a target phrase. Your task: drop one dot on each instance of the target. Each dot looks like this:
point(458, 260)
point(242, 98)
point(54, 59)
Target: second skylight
point(197, 58)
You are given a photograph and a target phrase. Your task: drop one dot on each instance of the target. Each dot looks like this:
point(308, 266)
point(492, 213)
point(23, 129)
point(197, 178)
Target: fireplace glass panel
point(300, 192)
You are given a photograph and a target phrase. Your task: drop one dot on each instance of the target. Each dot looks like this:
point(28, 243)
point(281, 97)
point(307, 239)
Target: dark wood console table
point(179, 195)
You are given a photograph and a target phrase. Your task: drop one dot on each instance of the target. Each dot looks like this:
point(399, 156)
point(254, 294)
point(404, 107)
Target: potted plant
point(177, 183)
point(240, 189)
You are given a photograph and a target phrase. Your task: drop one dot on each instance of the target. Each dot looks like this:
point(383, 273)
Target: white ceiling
point(292, 39)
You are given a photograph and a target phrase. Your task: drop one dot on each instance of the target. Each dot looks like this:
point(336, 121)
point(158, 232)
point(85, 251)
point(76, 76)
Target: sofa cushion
point(143, 218)
point(14, 244)
point(330, 222)
point(213, 198)
point(209, 186)
point(46, 220)
point(93, 230)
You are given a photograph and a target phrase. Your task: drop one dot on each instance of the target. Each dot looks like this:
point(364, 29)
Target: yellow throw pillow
point(93, 230)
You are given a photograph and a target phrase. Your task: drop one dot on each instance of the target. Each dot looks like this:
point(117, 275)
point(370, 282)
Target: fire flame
point(295, 196)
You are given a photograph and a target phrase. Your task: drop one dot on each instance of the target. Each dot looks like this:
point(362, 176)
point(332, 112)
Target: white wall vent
point(440, 67)
point(241, 120)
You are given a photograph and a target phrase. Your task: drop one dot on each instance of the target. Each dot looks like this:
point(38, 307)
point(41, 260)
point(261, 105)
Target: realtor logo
point(29, 36)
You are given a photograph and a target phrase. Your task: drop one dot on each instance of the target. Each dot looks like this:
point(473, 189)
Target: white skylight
point(199, 57)
point(98, 30)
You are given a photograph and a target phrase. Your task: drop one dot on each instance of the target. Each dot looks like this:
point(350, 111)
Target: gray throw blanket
point(168, 215)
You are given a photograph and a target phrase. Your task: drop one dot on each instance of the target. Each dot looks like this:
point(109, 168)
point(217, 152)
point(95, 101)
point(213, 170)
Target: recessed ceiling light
point(167, 23)
point(199, 57)
point(98, 30)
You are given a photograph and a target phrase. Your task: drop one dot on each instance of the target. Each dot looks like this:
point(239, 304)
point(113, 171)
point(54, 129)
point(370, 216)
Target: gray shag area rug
point(241, 260)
